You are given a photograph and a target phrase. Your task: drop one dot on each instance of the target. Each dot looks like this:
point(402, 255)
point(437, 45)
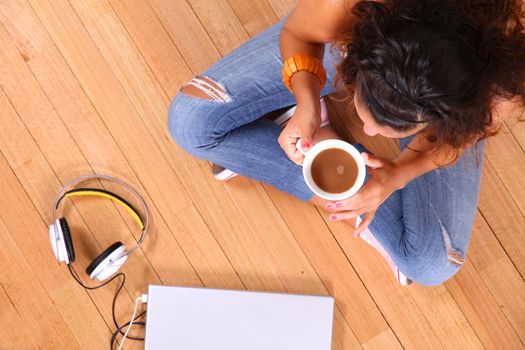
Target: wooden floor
point(85, 86)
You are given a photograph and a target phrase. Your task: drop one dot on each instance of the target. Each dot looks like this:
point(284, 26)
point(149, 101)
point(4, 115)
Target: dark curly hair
point(438, 62)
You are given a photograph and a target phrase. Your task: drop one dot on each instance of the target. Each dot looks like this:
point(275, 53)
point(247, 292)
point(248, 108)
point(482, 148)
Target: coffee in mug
point(333, 169)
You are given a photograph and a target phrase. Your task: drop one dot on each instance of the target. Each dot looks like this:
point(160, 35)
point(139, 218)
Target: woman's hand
point(385, 178)
point(303, 125)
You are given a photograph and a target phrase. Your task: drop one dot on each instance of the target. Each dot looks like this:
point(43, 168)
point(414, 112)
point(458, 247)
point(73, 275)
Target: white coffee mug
point(309, 157)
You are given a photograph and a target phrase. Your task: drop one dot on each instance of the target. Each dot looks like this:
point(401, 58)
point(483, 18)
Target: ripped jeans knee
point(204, 88)
point(454, 256)
point(194, 113)
point(432, 267)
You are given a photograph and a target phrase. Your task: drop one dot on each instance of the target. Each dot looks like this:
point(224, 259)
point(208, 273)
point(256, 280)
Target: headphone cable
point(119, 330)
point(73, 273)
point(135, 308)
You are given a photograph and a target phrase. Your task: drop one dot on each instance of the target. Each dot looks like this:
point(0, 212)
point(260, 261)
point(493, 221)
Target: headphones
point(113, 257)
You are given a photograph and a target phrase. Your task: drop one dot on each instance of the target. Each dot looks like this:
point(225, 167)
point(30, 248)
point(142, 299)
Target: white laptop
point(214, 319)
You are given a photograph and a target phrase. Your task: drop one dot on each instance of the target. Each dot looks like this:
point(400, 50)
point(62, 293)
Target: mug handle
point(299, 148)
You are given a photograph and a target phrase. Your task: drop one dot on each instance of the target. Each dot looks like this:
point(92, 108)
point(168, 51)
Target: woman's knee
point(193, 112)
point(428, 271)
point(190, 124)
point(432, 254)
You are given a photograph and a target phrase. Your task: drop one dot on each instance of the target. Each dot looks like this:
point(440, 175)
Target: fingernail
point(305, 145)
point(329, 206)
point(338, 205)
point(333, 217)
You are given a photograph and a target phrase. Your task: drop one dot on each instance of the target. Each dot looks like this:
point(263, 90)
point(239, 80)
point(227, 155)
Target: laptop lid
point(215, 319)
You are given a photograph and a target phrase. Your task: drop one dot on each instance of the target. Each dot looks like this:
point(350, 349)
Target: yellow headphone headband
point(110, 195)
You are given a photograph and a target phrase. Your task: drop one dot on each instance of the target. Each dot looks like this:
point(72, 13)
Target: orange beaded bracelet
point(303, 62)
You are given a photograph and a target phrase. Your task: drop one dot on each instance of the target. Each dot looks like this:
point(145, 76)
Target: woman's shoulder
point(325, 18)
point(504, 109)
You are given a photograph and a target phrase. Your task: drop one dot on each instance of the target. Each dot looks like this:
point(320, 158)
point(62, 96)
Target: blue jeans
point(421, 226)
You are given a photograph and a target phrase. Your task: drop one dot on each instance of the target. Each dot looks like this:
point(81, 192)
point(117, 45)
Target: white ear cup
point(58, 244)
point(110, 264)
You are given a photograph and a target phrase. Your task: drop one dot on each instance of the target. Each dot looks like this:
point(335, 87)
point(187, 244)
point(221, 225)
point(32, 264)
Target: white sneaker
point(223, 174)
point(220, 173)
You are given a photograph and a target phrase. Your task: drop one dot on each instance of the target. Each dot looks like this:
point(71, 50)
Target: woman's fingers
point(288, 144)
point(364, 224)
point(372, 161)
point(349, 214)
point(294, 154)
point(359, 201)
point(303, 125)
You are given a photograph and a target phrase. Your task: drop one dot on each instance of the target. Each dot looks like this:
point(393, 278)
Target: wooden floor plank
point(221, 24)
point(445, 317)
point(12, 334)
point(342, 335)
point(499, 274)
point(148, 101)
point(516, 125)
point(255, 16)
point(86, 248)
point(500, 196)
point(481, 309)
point(385, 340)
point(181, 23)
point(503, 216)
point(28, 232)
point(282, 7)
point(161, 54)
point(23, 301)
point(99, 217)
point(163, 185)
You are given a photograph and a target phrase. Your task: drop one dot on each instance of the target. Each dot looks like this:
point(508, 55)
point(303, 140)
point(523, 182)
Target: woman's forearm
point(412, 164)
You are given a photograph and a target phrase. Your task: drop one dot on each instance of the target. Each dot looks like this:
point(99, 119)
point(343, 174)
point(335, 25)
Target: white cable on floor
point(130, 322)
